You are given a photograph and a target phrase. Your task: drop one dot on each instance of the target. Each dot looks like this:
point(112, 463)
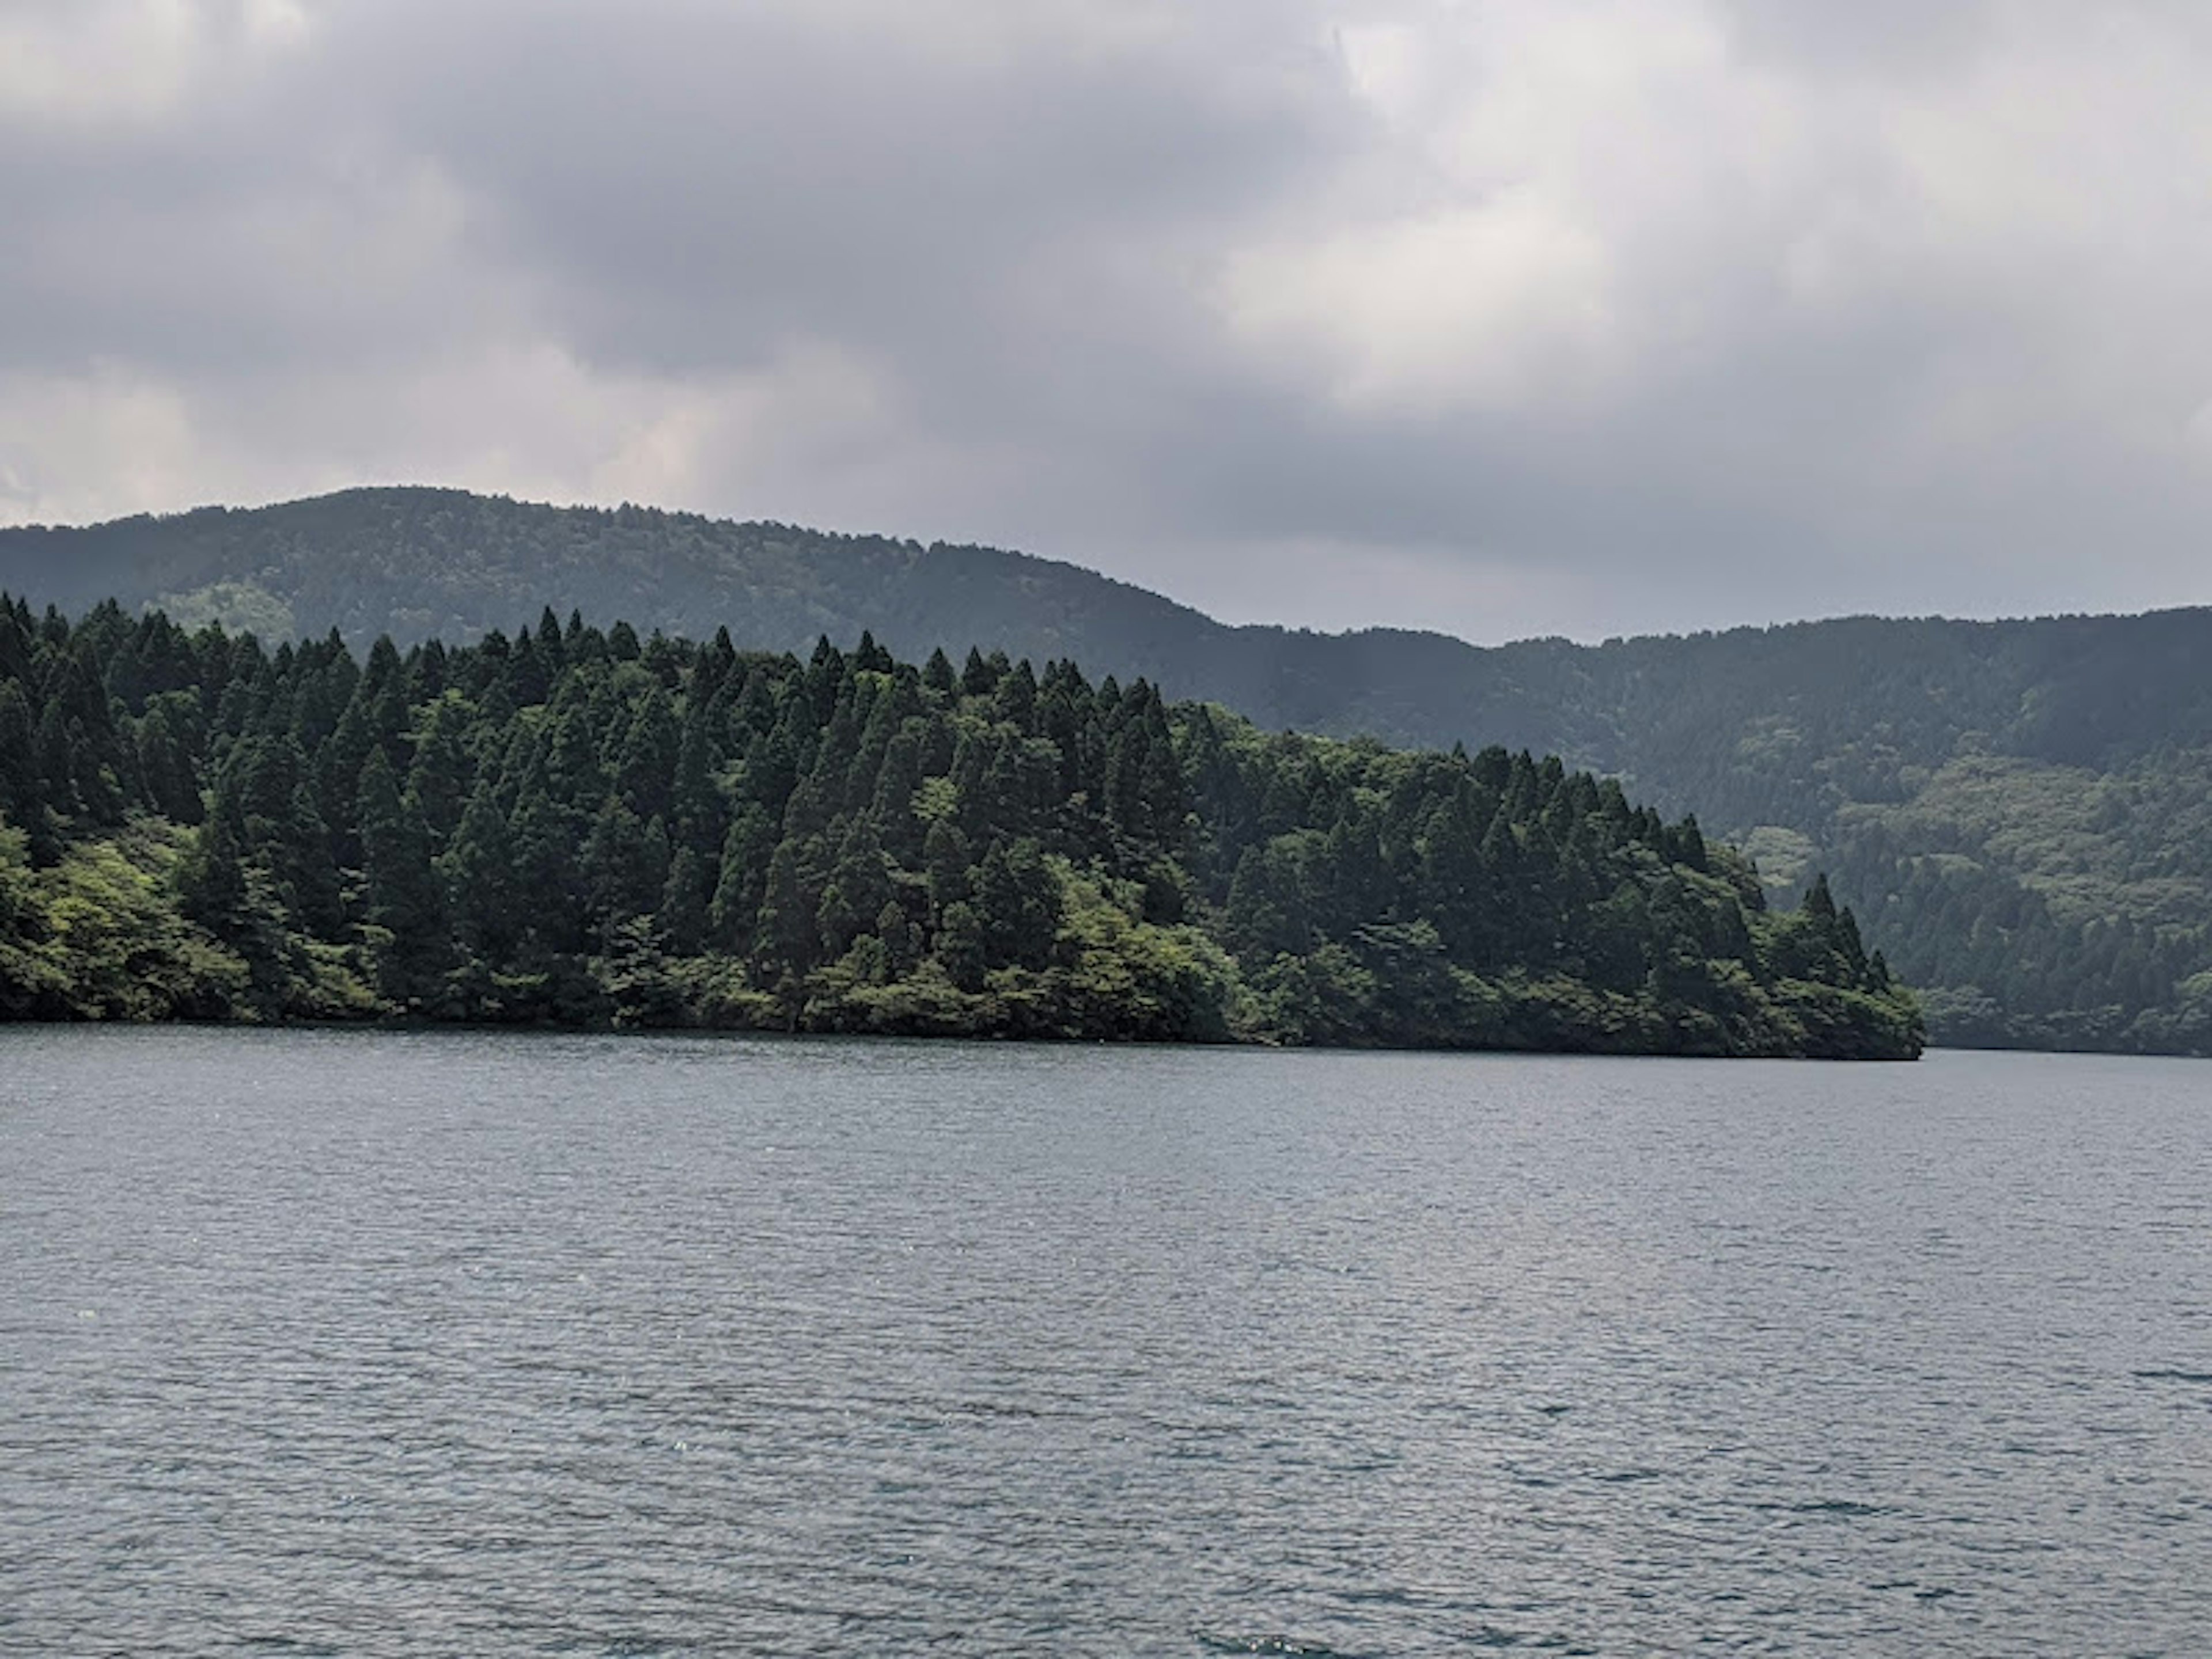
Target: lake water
point(381, 1343)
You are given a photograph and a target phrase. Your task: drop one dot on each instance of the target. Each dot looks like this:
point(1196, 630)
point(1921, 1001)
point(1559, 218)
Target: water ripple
point(378, 1344)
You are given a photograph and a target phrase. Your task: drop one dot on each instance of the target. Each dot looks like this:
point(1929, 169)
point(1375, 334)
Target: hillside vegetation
point(2018, 809)
point(575, 827)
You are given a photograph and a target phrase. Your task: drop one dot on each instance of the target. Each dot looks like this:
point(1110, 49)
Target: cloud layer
point(1528, 316)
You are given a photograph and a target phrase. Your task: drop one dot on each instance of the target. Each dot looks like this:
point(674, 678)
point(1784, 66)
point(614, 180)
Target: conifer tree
point(575, 827)
point(403, 903)
point(482, 880)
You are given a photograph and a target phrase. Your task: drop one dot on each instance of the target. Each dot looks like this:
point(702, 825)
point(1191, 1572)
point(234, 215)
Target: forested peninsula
point(575, 827)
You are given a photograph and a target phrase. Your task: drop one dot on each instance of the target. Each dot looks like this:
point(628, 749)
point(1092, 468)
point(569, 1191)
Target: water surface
point(372, 1343)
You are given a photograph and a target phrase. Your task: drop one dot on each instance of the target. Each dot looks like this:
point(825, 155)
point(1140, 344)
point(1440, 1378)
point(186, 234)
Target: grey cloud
point(694, 182)
point(1104, 282)
point(1872, 37)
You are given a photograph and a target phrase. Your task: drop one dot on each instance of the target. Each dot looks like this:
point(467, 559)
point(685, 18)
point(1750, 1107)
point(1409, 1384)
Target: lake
point(383, 1343)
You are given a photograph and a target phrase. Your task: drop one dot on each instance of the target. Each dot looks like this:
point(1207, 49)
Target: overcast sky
point(1505, 318)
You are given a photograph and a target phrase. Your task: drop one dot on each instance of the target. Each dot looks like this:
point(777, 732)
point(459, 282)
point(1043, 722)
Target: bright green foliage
point(99, 935)
point(574, 828)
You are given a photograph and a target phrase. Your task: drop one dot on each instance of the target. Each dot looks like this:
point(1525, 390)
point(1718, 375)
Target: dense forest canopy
point(573, 826)
point(2021, 812)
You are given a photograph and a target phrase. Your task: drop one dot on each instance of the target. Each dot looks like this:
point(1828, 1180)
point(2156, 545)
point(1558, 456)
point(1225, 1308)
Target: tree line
point(575, 826)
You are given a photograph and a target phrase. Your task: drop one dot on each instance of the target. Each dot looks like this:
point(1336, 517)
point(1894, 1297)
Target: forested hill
point(578, 828)
point(415, 562)
point(2020, 811)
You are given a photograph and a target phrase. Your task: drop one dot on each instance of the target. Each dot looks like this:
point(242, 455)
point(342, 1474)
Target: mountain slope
point(2017, 809)
point(415, 562)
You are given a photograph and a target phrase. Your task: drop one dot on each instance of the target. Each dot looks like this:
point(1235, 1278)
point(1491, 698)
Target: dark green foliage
point(403, 902)
point(2021, 812)
point(561, 830)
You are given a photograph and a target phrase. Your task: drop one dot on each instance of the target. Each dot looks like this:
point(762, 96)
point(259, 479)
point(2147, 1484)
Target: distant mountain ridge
point(415, 562)
point(2021, 812)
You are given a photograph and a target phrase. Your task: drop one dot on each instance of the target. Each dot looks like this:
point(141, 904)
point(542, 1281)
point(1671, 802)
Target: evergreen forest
point(2020, 812)
point(573, 826)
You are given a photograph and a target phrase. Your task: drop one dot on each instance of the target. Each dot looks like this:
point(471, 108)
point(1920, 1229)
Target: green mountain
point(574, 827)
point(2019, 810)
